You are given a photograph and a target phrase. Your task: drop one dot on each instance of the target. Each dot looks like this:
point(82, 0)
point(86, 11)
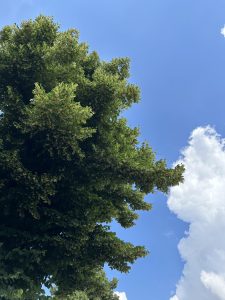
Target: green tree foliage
point(97, 287)
point(69, 164)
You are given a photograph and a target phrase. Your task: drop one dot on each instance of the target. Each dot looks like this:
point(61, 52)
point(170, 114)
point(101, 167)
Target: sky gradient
point(177, 57)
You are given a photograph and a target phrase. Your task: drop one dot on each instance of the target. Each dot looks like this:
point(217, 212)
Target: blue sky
point(178, 60)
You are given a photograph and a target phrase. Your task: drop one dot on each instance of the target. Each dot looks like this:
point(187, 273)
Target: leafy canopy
point(69, 164)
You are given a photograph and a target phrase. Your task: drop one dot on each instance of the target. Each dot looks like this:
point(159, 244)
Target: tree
point(69, 163)
point(96, 287)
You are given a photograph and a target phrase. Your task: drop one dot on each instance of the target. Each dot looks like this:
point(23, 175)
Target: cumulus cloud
point(223, 31)
point(121, 295)
point(200, 201)
point(215, 283)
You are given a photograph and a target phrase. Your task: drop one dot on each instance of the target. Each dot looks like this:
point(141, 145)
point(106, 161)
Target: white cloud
point(223, 31)
point(200, 201)
point(121, 295)
point(215, 283)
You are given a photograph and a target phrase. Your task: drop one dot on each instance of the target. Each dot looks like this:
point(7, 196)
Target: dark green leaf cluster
point(96, 287)
point(69, 164)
